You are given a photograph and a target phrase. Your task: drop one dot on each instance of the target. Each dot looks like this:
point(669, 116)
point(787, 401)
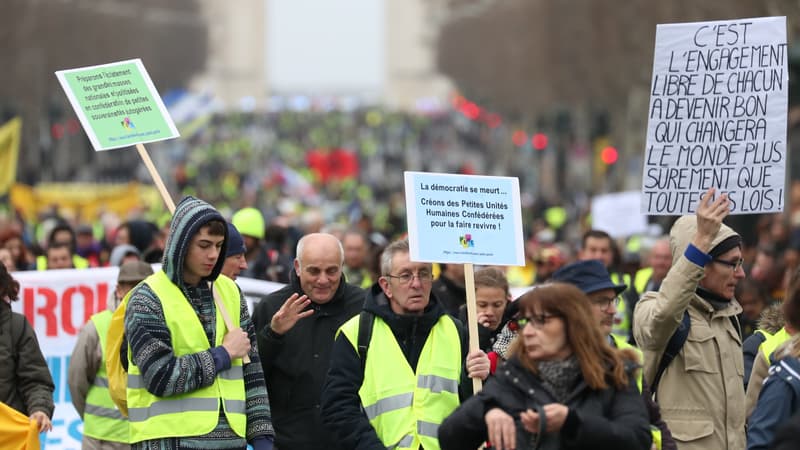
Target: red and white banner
point(57, 303)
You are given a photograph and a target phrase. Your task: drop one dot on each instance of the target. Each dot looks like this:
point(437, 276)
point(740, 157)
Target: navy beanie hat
point(235, 242)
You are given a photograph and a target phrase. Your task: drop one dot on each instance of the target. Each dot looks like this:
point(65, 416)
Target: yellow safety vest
point(102, 419)
point(623, 327)
point(521, 276)
point(764, 333)
point(366, 282)
point(621, 343)
point(406, 408)
point(772, 343)
point(195, 413)
point(78, 262)
point(641, 279)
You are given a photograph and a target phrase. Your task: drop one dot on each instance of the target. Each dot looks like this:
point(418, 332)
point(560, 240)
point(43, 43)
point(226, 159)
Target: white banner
point(57, 303)
point(717, 116)
point(618, 214)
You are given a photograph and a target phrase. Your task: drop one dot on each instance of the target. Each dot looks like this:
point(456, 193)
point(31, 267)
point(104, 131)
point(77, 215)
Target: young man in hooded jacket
point(188, 383)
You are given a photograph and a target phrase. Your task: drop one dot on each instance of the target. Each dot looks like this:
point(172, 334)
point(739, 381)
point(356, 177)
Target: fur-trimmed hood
point(771, 319)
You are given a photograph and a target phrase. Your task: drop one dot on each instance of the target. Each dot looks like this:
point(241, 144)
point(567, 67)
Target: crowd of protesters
point(762, 278)
point(722, 301)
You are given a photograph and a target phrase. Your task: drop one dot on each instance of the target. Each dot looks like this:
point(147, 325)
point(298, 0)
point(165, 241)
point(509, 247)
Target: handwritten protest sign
point(117, 104)
point(717, 116)
point(464, 219)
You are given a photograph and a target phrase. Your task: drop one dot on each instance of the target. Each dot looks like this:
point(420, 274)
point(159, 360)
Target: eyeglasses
point(537, 320)
point(604, 303)
point(424, 276)
point(735, 265)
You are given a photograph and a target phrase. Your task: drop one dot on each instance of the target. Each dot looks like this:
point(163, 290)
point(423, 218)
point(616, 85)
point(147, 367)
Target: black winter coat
point(341, 404)
point(25, 381)
point(607, 419)
point(296, 363)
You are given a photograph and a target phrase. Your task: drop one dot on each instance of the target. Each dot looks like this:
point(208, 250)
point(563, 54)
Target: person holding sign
point(693, 318)
point(189, 383)
point(396, 370)
point(564, 386)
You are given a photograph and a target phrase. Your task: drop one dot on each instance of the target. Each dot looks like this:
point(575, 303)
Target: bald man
point(296, 327)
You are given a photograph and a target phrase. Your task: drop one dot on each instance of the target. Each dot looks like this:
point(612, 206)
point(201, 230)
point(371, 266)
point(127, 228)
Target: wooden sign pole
point(171, 206)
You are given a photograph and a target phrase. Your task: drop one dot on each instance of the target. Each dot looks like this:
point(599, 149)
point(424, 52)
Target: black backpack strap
point(365, 322)
point(674, 347)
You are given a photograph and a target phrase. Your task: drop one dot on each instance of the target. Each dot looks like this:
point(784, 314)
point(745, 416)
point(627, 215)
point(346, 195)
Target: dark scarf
point(716, 301)
point(560, 377)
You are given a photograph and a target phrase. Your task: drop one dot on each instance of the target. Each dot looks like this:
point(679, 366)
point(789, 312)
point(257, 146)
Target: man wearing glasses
point(416, 366)
point(700, 392)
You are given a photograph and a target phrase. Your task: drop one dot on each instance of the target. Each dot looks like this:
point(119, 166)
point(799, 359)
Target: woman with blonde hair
point(564, 386)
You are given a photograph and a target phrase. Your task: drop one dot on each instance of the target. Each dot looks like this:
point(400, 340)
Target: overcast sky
point(325, 47)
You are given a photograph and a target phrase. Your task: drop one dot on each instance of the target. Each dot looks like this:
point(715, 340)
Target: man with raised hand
point(700, 392)
point(296, 327)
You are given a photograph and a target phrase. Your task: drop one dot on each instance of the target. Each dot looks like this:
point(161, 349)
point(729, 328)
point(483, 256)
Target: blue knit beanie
point(235, 242)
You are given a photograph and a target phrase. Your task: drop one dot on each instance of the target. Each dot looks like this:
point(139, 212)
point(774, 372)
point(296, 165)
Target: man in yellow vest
point(190, 384)
point(594, 280)
point(659, 259)
point(415, 366)
point(701, 390)
point(356, 258)
point(62, 241)
point(103, 425)
point(597, 244)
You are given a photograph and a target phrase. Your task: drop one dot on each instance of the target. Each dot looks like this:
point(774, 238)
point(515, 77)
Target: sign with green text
point(117, 104)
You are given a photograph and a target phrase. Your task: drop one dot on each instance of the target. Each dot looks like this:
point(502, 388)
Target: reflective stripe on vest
point(197, 412)
point(772, 343)
point(406, 408)
point(622, 322)
point(101, 417)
